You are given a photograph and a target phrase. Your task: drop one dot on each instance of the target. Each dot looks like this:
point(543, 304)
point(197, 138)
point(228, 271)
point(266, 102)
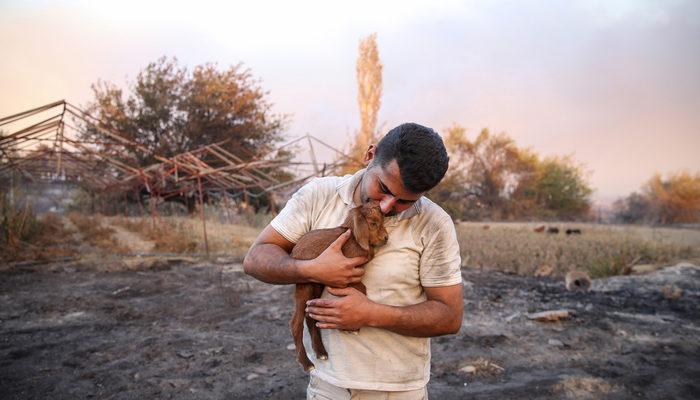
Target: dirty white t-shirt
point(422, 251)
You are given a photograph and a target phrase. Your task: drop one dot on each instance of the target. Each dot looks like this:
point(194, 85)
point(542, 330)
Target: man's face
point(384, 185)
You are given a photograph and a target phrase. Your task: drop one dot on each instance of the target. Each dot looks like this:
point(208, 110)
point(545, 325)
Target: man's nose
point(387, 204)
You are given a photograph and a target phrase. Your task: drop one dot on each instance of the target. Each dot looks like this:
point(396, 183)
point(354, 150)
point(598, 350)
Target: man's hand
point(440, 314)
point(348, 312)
point(332, 268)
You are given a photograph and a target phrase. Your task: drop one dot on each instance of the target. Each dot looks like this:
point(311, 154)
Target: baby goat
point(367, 225)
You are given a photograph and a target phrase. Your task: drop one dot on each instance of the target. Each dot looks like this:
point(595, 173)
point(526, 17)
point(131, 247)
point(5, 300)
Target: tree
point(562, 189)
point(675, 199)
point(369, 93)
point(484, 173)
point(635, 208)
point(170, 110)
point(491, 177)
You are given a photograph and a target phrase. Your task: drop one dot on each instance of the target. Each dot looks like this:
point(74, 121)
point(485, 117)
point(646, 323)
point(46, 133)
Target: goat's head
point(367, 224)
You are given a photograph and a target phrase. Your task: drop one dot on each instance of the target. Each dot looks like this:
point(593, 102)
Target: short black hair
point(419, 153)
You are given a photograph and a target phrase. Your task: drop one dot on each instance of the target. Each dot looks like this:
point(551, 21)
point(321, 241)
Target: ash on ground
point(194, 330)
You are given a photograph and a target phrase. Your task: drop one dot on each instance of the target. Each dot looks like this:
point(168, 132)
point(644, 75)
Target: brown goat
point(367, 225)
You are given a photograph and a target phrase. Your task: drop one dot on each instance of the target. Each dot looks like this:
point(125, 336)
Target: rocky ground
point(204, 330)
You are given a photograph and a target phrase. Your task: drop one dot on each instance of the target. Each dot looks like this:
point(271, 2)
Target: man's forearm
point(271, 264)
point(430, 318)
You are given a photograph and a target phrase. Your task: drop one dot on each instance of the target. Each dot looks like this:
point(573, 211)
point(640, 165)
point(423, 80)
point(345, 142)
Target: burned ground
point(204, 330)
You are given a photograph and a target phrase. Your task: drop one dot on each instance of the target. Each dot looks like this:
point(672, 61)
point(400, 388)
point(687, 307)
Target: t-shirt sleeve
point(440, 262)
point(295, 218)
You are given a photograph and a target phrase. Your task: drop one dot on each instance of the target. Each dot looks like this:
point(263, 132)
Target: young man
point(414, 283)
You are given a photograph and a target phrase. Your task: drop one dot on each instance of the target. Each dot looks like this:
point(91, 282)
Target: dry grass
point(42, 238)
point(582, 388)
point(93, 231)
point(602, 250)
point(185, 235)
point(167, 235)
point(482, 367)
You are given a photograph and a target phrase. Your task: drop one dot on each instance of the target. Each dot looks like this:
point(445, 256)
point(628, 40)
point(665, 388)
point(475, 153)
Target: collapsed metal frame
point(44, 144)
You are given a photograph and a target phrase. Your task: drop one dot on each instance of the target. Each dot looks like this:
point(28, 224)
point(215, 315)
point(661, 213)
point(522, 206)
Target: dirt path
point(177, 333)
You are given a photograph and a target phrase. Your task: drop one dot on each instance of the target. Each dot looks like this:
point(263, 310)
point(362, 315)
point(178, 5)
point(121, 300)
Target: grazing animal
point(553, 230)
point(544, 270)
point(539, 229)
point(573, 231)
point(485, 227)
point(577, 281)
point(367, 225)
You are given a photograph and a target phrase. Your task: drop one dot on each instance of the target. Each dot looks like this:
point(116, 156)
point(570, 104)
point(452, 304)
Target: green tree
point(562, 190)
point(169, 110)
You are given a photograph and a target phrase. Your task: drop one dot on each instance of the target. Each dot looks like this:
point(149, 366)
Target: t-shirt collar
point(347, 185)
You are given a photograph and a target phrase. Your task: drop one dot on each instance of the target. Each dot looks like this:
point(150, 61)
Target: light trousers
point(321, 390)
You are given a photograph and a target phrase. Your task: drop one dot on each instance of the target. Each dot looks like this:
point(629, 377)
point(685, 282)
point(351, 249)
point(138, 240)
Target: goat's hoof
point(323, 357)
point(309, 368)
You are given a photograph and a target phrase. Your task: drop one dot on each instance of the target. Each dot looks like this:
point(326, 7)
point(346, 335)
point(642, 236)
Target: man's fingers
point(327, 326)
point(358, 261)
point(324, 318)
point(357, 272)
point(340, 241)
point(339, 291)
point(322, 311)
point(320, 303)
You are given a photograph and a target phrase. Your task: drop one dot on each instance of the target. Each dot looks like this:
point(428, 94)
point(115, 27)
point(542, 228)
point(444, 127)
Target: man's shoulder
point(432, 211)
point(331, 181)
point(430, 219)
point(324, 184)
point(320, 188)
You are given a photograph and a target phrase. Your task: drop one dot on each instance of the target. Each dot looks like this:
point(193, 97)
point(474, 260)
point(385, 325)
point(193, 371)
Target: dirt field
point(198, 330)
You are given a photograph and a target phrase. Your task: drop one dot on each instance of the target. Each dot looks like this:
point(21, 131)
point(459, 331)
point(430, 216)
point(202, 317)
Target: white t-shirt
point(422, 251)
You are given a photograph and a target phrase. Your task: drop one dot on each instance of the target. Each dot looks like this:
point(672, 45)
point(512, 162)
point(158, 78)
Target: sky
point(613, 83)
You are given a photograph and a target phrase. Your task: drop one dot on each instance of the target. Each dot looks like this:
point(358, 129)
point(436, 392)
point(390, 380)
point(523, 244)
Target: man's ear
point(369, 154)
point(360, 229)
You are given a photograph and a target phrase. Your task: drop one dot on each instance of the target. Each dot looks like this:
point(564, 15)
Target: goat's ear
point(360, 229)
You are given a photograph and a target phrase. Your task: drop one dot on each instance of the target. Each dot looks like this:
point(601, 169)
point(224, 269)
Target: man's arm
point(440, 314)
point(268, 260)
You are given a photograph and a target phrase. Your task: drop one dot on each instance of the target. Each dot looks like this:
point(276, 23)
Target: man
point(414, 284)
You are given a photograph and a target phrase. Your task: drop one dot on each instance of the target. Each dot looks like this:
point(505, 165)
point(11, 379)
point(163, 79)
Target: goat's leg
point(302, 293)
point(314, 331)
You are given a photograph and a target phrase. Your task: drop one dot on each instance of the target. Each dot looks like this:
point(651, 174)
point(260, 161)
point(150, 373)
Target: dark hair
point(419, 153)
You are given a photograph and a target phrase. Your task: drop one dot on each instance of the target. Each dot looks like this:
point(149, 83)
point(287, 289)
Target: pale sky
point(614, 83)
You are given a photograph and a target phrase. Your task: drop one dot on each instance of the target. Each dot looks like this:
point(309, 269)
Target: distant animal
point(573, 231)
point(367, 225)
point(544, 270)
point(577, 281)
point(485, 227)
point(539, 229)
point(553, 230)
